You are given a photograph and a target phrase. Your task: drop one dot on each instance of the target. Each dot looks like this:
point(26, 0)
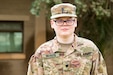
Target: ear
point(52, 23)
point(75, 22)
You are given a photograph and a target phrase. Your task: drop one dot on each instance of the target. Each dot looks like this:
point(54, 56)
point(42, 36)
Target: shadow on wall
point(30, 48)
point(108, 53)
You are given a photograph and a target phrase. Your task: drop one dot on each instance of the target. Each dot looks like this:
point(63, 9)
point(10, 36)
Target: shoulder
point(42, 48)
point(88, 47)
point(45, 46)
point(86, 43)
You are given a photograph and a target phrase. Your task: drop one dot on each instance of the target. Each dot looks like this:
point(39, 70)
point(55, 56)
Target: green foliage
point(98, 8)
point(95, 20)
point(94, 16)
point(37, 5)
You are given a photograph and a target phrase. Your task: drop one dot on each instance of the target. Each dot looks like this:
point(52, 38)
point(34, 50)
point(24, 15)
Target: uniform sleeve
point(35, 66)
point(98, 65)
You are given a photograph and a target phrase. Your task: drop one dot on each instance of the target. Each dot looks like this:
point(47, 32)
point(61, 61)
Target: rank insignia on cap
point(63, 10)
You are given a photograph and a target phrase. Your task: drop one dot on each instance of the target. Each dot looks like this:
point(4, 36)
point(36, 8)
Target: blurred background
point(24, 26)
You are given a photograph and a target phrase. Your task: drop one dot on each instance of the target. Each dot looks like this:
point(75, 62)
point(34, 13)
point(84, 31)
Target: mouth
point(64, 29)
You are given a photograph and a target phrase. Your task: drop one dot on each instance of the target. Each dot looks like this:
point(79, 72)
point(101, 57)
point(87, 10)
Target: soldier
point(66, 54)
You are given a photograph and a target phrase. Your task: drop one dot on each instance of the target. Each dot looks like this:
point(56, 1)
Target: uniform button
point(66, 65)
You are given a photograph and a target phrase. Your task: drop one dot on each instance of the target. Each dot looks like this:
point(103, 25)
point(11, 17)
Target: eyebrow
point(62, 19)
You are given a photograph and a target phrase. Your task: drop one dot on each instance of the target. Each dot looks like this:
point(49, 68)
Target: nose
point(65, 23)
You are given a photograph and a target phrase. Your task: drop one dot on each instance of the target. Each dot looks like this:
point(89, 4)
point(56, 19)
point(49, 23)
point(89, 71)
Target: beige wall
point(40, 29)
point(34, 27)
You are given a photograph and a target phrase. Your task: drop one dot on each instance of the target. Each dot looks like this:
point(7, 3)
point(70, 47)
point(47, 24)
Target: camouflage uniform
point(54, 58)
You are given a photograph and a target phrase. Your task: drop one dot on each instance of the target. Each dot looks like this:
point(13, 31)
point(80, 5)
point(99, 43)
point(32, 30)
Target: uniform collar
point(75, 45)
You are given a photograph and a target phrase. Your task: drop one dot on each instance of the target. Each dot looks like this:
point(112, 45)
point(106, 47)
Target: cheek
point(73, 29)
point(56, 29)
point(75, 25)
point(52, 24)
point(53, 27)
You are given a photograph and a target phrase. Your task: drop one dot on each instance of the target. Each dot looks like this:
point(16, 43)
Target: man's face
point(64, 26)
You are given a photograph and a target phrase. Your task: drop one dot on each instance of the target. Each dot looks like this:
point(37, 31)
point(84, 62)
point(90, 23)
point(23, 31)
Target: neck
point(65, 39)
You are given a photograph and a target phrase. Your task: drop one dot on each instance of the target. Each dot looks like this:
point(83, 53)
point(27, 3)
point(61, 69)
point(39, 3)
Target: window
point(11, 36)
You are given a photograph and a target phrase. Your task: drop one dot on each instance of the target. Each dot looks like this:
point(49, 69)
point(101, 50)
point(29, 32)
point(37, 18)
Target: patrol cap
point(63, 10)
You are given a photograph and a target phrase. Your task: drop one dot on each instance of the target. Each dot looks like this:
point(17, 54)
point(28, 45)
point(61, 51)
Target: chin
point(64, 34)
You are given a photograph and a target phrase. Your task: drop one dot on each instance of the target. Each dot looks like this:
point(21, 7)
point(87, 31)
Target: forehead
point(65, 18)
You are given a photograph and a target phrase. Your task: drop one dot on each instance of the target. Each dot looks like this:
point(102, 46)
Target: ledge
point(15, 17)
point(13, 56)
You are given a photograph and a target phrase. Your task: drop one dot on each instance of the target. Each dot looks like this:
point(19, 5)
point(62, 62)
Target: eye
point(59, 21)
point(69, 20)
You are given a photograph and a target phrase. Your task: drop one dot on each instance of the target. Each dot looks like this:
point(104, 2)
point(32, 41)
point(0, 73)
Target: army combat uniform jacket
point(52, 58)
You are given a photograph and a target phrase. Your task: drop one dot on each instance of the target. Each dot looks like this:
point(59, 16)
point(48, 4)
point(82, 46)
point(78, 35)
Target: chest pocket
point(52, 62)
point(52, 55)
point(54, 58)
point(47, 56)
point(87, 52)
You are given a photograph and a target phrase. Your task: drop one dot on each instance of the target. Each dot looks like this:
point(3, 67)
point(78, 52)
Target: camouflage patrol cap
point(63, 10)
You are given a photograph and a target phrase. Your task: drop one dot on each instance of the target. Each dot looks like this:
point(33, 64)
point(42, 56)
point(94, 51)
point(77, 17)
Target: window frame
point(9, 17)
point(22, 30)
